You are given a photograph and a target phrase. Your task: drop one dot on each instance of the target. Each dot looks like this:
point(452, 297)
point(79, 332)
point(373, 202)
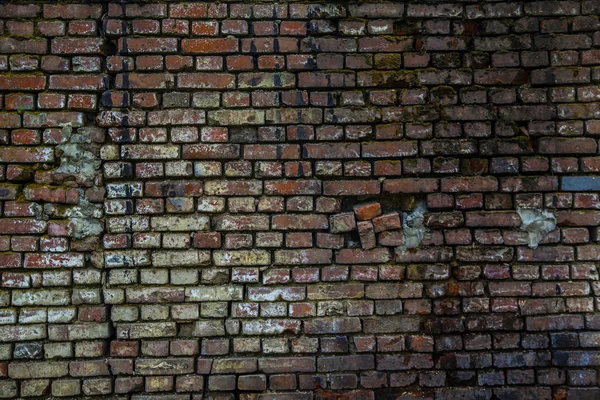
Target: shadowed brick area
point(281, 200)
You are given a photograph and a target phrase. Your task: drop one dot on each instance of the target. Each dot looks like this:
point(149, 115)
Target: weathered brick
point(358, 256)
point(235, 188)
point(344, 363)
point(394, 290)
point(270, 327)
point(293, 187)
point(205, 81)
point(164, 366)
point(241, 257)
point(219, 218)
point(146, 330)
point(425, 255)
point(409, 185)
point(210, 46)
point(286, 364)
point(15, 333)
point(299, 222)
point(351, 188)
point(20, 82)
point(308, 256)
point(332, 325)
point(45, 369)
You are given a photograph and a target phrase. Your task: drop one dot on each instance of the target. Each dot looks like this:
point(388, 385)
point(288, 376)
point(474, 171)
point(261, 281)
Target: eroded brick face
point(294, 201)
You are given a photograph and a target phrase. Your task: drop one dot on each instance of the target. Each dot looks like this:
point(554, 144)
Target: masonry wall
point(293, 201)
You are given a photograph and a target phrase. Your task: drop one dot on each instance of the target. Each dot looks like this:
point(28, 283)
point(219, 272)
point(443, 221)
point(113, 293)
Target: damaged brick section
point(299, 201)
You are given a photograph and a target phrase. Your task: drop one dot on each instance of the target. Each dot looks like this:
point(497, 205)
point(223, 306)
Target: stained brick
point(209, 46)
point(409, 185)
point(309, 256)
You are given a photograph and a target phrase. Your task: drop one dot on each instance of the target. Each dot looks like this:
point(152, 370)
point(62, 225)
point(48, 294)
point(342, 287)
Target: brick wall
point(293, 201)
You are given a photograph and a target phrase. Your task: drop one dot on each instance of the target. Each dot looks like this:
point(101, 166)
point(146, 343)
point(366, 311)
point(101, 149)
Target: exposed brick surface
point(283, 200)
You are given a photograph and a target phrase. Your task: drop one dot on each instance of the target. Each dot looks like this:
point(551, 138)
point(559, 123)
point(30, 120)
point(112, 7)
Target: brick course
point(293, 201)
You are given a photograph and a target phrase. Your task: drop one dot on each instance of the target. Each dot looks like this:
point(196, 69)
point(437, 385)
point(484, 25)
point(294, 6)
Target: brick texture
point(289, 201)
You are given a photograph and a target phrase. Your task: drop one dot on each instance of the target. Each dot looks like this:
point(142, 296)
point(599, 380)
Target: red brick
point(411, 185)
point(147, 45)
point(299, 221)
point(22, 82)
point(207, 240)
point(357, 256)
point(367, 211)
point(211, 151)
point(206, 81)
point(271, 152)
point(387, 222)
point(198, 10)
point(351, 188)
point(209, 46)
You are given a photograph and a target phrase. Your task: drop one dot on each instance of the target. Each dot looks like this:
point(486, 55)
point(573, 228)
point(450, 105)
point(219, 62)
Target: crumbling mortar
point(75, 159)
point(537, 224)
point(413, 227)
